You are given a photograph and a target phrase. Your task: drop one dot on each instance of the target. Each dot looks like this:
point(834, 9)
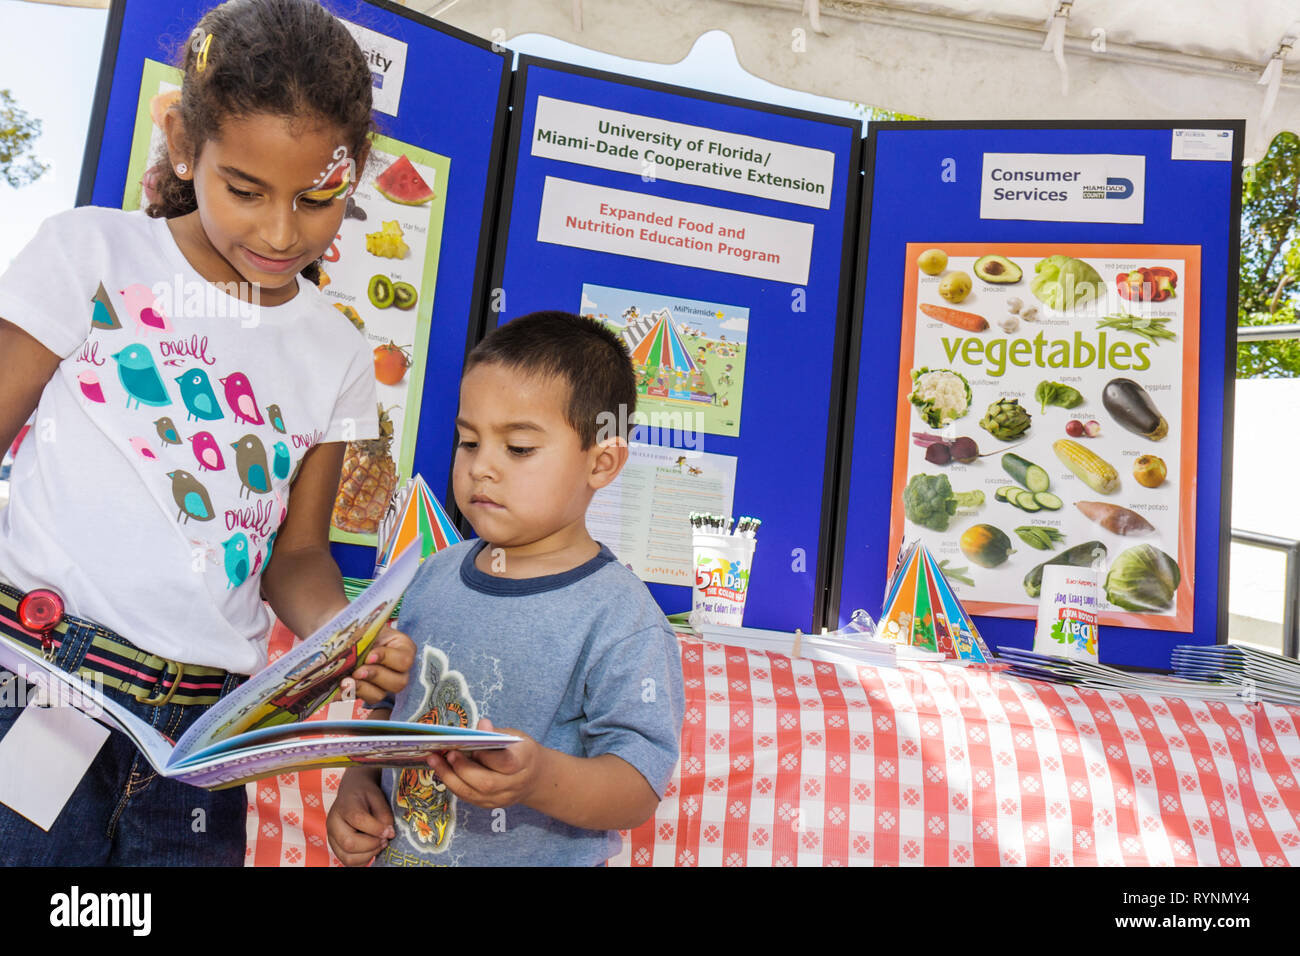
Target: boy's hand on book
point(386, 668)
point(492, 778)
point(360, 823)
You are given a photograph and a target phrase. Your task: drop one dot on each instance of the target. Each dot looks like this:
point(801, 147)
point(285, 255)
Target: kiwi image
point(380, 291)
point(404, 295)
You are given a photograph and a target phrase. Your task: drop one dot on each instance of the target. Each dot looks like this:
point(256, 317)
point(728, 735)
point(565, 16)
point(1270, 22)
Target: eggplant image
point(1132, 408)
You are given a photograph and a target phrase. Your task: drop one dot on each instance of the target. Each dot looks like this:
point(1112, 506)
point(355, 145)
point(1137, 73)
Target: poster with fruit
point(160, 87)
point(1046, 414)
point(380, 272)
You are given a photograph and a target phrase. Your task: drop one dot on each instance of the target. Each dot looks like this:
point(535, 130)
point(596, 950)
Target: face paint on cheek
point(338, 181)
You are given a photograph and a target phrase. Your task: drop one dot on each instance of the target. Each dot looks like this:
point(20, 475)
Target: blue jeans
point(122, 813)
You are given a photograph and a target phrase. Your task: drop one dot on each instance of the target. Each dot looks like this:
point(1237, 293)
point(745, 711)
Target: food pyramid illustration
point(415, 513)
point(922, 611)
point(655, 342)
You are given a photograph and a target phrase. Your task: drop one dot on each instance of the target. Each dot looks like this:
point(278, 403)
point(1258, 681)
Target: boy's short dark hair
point(579, 351)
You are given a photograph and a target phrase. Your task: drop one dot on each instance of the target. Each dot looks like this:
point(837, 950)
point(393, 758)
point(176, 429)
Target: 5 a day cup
point(1067, 613)
point(722, 563)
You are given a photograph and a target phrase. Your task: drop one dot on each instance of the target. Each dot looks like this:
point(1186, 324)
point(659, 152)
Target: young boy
point(534, 625)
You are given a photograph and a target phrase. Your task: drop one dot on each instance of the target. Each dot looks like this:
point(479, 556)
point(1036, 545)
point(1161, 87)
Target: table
point(793, 762)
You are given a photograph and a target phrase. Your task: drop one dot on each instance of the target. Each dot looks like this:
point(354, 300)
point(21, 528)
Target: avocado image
point(997, 269)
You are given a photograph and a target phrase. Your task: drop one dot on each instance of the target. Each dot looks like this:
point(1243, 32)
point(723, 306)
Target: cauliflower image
point(940, 395)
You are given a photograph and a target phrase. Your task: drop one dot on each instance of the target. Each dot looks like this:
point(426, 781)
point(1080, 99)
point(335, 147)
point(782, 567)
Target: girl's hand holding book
point(386, 668)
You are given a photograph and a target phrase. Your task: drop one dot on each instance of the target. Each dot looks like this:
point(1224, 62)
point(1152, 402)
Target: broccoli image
point(928, 500)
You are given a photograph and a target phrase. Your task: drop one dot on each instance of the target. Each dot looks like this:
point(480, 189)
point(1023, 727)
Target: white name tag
point(43, 757)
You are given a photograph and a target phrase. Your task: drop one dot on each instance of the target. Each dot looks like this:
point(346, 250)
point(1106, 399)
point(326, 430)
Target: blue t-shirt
point(584, 662)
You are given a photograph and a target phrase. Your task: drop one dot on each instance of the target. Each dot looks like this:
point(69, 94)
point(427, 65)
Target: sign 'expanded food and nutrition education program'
point(1047, 397)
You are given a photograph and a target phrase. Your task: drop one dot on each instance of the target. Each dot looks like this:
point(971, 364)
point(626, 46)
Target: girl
point(193, 392)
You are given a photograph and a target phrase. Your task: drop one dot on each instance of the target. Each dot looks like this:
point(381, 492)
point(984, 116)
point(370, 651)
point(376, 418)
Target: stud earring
point(181, 169)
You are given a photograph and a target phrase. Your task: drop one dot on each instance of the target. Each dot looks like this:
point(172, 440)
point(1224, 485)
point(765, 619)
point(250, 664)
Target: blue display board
point(926, 190)
point(744, 349)
point(453, 103)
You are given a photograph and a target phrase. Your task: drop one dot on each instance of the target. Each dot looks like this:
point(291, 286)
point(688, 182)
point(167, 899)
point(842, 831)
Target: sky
point(49, 61)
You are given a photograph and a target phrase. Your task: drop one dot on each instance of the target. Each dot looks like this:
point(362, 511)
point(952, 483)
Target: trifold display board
point(1057, 299)
point(714, 236)
point(440, 106)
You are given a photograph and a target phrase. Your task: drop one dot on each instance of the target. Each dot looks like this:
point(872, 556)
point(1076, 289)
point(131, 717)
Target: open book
point(257, 730)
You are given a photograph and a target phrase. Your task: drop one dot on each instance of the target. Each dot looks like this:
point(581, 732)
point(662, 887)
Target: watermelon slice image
point(402, 184)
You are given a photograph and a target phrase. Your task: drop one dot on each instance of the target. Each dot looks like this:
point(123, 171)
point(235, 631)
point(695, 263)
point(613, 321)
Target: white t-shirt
point(158, 468)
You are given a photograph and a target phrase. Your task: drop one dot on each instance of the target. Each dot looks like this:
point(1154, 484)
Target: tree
point(875, 114)
point(1269, 281)
point(18, 132)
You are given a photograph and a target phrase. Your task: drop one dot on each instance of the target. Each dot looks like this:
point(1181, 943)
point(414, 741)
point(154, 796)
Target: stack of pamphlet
point(1081, 673)
point(1254, 674)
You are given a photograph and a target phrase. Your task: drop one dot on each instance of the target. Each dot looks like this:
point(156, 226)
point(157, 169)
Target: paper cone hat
point(922, 610)
point(415, 515)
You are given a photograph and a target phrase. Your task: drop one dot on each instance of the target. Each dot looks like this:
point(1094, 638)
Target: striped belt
point(115, 661)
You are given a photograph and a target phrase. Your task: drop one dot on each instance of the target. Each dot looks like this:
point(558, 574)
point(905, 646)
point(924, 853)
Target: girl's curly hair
point(288, 58)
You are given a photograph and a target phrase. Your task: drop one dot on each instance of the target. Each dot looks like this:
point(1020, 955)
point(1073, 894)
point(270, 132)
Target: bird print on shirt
point(141, 446)
point(167, 432)
point(239, 396)
point(90, 387)
point(218, 392)
point(280, 465)
point(140, 378)
point(277, 420)
point(208, 452)
point(191, 497)
point(149, 316)
point(250, 461)
point(199, 398)
point(236, 561)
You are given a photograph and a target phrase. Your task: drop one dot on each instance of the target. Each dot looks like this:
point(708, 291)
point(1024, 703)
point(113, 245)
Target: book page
point(233, 769)
point(295, 686)
point(60, 688)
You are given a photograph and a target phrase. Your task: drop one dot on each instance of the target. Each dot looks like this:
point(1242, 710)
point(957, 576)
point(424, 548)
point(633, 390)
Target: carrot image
point(962, 320)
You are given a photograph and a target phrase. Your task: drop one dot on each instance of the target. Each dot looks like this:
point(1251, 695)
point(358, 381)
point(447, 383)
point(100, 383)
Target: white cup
point(1067, 613)
point(722, 563)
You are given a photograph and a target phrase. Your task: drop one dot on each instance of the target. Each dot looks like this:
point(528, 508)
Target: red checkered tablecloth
point(801, 763)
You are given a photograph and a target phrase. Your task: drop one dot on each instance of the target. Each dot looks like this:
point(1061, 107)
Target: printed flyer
point(644, 516)
point(380, 272)
point(689, 356)
point(1046, 415)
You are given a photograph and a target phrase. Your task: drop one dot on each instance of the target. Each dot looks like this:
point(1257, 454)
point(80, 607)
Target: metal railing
point(1264, 333)
point(1291, 601)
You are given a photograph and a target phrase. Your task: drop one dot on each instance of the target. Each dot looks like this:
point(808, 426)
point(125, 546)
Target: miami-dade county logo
point(1116, 187)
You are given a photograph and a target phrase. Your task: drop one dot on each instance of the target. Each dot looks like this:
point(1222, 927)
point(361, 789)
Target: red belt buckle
point(40, 611)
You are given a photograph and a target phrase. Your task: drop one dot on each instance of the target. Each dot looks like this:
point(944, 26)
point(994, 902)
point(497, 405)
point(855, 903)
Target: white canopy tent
point(957, 59)
point(961, 59)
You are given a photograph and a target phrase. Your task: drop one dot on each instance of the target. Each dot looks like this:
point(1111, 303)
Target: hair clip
point(339, 180)
point(200, 43)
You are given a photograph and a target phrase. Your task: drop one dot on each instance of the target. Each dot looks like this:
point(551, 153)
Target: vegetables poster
point(1046, 414)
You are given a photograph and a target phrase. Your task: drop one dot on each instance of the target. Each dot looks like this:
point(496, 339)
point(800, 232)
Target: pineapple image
point(369, 477)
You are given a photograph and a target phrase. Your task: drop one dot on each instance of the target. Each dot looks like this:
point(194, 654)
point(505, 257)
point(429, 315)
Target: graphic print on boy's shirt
point(194, 429)
point(426, 809)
